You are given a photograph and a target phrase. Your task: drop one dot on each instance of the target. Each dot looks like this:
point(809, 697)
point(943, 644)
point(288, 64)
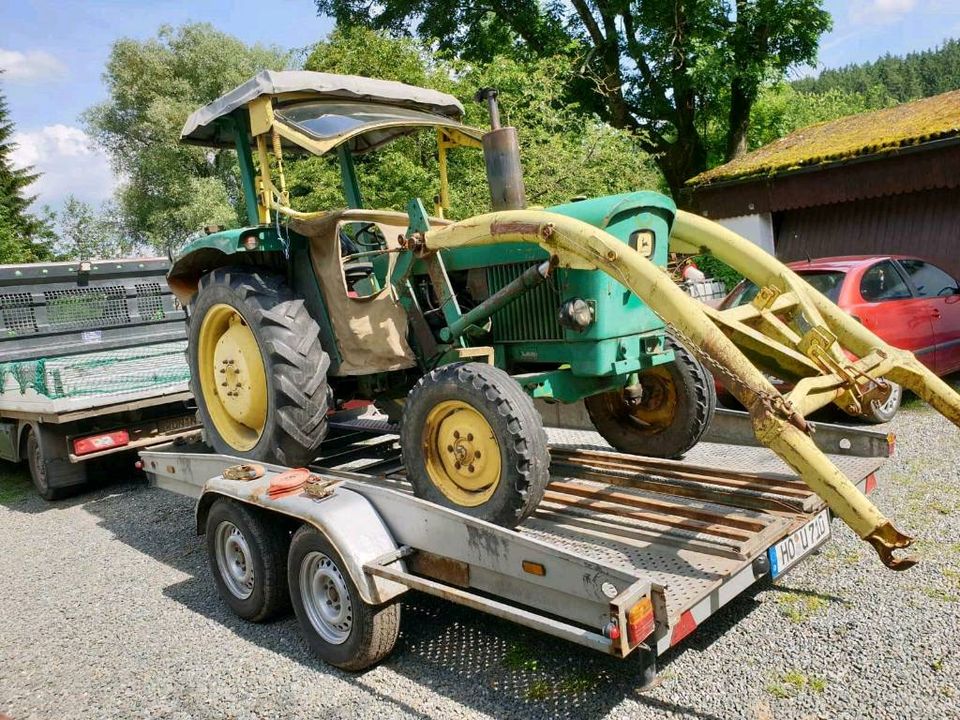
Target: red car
point(909, 302)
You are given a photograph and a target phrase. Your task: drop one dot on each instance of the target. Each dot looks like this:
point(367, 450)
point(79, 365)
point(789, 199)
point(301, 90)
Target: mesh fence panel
point(112, 372)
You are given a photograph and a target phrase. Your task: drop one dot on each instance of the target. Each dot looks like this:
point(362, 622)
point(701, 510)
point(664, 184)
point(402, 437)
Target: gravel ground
point(108, 611)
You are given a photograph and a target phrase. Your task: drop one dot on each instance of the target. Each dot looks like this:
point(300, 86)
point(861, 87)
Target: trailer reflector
point(640, 621)
point(870, 484)
point(683, 628)
point(534, 568)
point(98, 443)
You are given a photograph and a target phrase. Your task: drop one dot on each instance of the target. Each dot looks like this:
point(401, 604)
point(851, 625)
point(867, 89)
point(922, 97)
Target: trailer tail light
point(640, 621)
point(98, 443)
point(870, 484)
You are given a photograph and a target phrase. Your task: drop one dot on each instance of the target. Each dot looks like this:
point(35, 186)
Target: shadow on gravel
point(103, 476)
point(490, 665)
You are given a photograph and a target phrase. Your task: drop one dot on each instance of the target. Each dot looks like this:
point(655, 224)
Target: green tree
point(780, 109)
point(565, 152)
point(86, 233)
point(662, 70)
point(22, 234)
point(903, 78)
point(171, 190)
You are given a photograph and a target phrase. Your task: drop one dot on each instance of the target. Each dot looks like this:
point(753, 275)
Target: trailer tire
point(681, 399)
point(508, 441)
point(41, 472)
point(239, 539)
point(280, 381)
point(340, 627)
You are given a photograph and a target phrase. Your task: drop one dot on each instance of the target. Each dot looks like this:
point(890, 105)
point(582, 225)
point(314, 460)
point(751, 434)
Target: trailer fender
point(345, 518)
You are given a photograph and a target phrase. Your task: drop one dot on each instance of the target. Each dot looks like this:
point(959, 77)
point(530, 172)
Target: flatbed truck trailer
point(625, 555)
point(91, 364)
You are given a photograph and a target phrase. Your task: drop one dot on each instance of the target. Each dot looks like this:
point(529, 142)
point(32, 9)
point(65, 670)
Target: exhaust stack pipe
point(501, 153)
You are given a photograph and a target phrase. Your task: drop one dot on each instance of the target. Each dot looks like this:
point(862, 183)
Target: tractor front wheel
point(676, 405)
point(473, 441)
point(257, 369)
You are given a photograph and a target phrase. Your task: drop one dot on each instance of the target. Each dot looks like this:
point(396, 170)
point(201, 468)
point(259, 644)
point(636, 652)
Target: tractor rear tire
point(257, 369)
point(473, 441)
point(677, 406)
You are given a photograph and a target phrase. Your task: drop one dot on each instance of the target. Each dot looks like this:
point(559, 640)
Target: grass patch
point(779, 691)
point(794, 682)
point(798, 608)
point(14, 484)
point(940, 594)
point(852, 557)
point(520, 657)
point(541, 690)
point(538, 690)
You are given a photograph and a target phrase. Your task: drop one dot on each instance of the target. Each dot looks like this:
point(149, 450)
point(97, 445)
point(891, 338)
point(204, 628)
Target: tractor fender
point(202, 253)
point(345, 518)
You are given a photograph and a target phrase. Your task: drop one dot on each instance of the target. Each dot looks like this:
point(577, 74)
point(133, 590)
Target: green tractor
point(458, 328)
point(299, 313)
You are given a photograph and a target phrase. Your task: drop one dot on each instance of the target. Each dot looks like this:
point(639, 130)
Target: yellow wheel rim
point(232, 378)
point(659, 402)
point(462, 453)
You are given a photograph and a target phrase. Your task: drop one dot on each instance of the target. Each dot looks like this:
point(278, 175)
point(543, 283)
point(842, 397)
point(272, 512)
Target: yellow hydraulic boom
point(790, 329)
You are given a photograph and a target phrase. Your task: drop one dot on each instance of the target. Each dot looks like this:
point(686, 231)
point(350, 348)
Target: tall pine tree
point(22, 234)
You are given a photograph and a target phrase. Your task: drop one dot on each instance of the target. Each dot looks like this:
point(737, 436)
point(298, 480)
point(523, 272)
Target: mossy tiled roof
point(872, 133)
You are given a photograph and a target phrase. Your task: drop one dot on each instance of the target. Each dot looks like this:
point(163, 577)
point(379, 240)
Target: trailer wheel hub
point(461, 452)
point(232, 377)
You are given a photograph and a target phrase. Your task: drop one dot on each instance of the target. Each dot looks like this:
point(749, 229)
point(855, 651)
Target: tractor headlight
point(576, 314)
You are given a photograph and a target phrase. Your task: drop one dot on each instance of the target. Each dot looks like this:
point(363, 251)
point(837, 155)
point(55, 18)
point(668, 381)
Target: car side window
point(883, 282)
point(929, 280)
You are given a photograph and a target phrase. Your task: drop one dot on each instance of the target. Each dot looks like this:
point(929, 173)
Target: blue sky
point(54, 54)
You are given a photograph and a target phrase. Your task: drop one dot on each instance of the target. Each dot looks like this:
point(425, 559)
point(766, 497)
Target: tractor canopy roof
point(330, 110)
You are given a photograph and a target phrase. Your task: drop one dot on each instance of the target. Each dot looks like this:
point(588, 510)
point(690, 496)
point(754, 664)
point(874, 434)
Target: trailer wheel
point(247, 556)
point(257, 368)
point(41, 473)
point(472, 440)
point(340, 627)
point(675, 408)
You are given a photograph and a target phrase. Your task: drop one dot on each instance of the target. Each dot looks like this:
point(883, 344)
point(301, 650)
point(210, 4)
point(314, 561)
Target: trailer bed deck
point(694, 526)
point(699, 528)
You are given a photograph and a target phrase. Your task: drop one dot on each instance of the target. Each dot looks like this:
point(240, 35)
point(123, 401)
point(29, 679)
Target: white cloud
point(68, 162)
point(880, 12)
point(33, 66)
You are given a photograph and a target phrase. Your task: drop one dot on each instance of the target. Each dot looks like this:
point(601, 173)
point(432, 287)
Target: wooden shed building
point(881, 182)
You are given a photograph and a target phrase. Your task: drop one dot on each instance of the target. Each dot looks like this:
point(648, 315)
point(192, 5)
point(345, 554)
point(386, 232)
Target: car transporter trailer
point(625, 555)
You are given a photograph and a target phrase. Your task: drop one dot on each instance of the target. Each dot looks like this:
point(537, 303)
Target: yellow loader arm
point(791, 327)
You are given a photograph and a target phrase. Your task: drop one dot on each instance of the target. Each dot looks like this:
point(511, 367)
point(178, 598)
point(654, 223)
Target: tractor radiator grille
point(532, 316)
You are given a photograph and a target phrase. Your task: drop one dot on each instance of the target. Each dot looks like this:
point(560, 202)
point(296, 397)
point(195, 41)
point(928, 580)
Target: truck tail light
point(640, 621)
point(97, 443)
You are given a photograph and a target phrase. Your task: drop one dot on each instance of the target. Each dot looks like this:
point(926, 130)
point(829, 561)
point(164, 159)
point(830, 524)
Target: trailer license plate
point(799, 543)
